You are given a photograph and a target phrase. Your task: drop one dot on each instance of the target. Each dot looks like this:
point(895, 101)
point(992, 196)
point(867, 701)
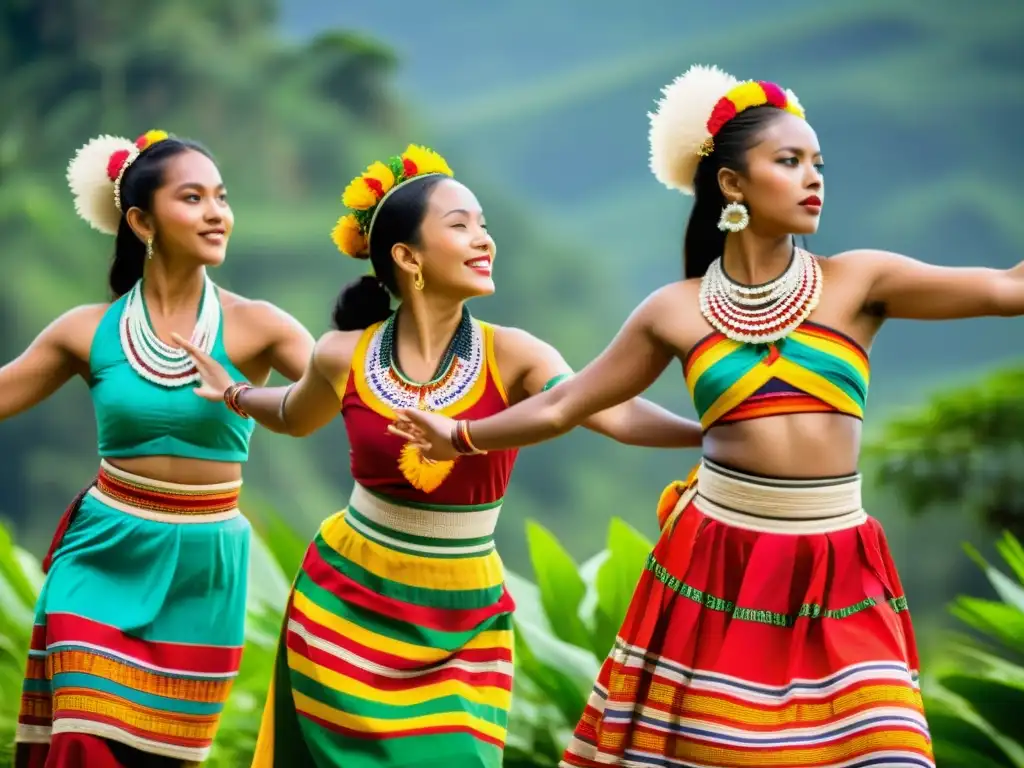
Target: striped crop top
point(813, 370)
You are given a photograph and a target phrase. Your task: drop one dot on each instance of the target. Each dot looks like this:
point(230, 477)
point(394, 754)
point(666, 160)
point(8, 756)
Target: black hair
point(138, 185)
point(704, 241)
point(367, 300)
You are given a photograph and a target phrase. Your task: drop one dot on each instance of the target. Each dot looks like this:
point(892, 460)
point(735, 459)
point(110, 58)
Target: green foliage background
point(540, 108)
point(546, 121)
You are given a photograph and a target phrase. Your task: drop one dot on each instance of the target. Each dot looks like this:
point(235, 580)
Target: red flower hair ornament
point(692, 111)
point(95, 173)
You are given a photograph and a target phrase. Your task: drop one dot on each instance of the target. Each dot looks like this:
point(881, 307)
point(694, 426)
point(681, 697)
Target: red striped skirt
point(769, 628)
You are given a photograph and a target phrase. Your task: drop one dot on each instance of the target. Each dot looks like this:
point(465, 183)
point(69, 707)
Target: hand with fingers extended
point(430, 432)
point(215, 379)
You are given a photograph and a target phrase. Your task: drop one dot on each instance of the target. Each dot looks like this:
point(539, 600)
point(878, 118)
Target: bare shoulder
point(256, 312)
point(334, 351)
point(517, 352)
point(671, 317)
point(263, 322)
point(75, 329)
point(526, 362)
point(859, 269)
point(84, 314)
point(510, 341)
point(860, 261)
point(680, 292)
point(668, 306)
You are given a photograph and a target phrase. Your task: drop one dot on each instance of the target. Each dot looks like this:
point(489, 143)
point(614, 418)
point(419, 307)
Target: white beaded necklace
point(761, 314)
point(150, 357)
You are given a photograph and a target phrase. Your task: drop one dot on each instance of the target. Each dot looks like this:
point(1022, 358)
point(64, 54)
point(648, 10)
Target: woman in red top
point(397, 649)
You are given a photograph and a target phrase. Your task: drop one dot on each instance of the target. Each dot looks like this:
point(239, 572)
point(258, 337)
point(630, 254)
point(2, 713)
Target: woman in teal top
point(139, 625)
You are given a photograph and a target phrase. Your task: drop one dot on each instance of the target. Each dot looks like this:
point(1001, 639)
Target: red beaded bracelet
point(462, 442)
point(231, 395)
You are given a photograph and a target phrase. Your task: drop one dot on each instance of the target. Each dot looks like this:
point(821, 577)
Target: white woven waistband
point(778, 505)
point(469, 523)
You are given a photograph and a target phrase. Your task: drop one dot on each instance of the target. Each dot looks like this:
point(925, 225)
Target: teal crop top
point(135, 417)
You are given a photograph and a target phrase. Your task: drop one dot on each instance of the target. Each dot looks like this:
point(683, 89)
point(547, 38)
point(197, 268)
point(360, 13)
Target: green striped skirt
point(396, 648)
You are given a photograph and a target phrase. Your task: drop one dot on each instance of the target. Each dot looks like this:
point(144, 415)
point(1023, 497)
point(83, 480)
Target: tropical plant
point(963, 448)
point(276, 555)
point(974, 703)
point(20, 580)
point(565, 625)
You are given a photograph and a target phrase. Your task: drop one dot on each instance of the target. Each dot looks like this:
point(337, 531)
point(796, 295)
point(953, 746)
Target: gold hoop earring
point(149, 248)
point(418, 282)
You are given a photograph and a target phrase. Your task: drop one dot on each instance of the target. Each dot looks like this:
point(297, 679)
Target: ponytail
point(129, 260)
point(368, 300)
point(362, 303)
point(138, 185)
point(703, 241)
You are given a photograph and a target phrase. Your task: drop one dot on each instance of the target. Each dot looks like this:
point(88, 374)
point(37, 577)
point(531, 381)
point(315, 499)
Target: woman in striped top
point(397, 645)
point(769, 626)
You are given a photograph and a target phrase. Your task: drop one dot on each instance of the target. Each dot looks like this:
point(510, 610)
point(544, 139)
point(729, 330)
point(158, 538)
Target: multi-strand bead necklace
point(761, 314)
point(150, 357)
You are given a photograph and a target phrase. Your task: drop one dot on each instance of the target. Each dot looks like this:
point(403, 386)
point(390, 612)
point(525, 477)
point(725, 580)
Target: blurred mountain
point(914, 104)
point(541, 109)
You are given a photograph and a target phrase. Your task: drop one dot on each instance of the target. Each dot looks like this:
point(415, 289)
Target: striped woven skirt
point(397, 644)
point(769, 628)
point(139, 624)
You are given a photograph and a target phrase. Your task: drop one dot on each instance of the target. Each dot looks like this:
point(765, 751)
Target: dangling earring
point(735, 217)
point(418, 283)
point(149, 248)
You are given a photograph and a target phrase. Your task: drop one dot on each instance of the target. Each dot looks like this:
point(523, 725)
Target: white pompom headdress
point(692, 111)
point(95, 173)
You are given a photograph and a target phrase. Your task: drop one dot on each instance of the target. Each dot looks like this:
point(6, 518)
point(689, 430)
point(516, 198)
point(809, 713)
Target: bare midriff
point(803, 445)
point(175, 469)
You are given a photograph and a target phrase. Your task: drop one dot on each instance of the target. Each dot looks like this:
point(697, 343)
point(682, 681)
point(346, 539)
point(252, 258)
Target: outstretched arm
point(291, 345)
point(906, 288)
point(56, 354)
point(640, 422)
point(297, 410)
point(630, 364)
point(537, 366)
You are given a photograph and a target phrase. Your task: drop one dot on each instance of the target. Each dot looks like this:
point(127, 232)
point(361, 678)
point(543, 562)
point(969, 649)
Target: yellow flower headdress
point(367, 192)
